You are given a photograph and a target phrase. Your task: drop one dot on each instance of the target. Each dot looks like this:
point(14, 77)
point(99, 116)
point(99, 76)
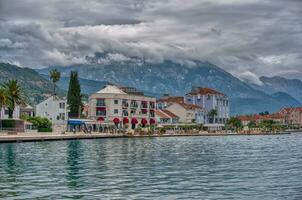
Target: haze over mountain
point(274, 84)
point(177, 79)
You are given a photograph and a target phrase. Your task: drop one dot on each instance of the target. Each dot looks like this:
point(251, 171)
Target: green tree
point(3, 98)
point(55, 76)
point(212, 114)
point(234, 123)
point(14, 96)
point(74, 97)
point(252, 124)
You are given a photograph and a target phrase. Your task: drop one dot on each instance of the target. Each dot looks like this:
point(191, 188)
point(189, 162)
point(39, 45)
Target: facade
point(165, 100)
point(166, 117)
point(19, 111)
point(246, 119)
point(292, 116)
point(53, 108)
point(188, 113)
point(210, 99)
point(122, 106)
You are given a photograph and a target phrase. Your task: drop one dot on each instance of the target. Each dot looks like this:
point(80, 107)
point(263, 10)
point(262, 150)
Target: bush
point(8, 123)
point(41, 123)
point(44, 129)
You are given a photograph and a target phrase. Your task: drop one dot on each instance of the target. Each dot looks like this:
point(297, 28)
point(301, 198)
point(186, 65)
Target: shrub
point(41, 123)
point(8, 123)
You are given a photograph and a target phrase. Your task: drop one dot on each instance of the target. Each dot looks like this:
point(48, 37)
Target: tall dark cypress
point(74, 99)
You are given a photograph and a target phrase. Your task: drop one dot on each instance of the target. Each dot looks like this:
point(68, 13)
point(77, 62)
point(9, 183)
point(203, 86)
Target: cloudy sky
point(248, 38)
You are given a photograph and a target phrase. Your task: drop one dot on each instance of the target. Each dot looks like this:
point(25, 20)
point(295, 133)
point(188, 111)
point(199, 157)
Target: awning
point(126, 120)
point(152, 121)
point(144, 121)
point(75, 122)
point(101, 108)
point(116, 120)
point(134, 121)
point(101, 119)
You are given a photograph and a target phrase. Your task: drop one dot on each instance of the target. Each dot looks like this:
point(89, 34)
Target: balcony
point(125, 105)
point(100, 105)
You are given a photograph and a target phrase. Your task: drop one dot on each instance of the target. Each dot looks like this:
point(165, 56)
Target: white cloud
point(259, 36)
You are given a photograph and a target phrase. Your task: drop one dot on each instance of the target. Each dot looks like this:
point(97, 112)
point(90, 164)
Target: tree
point(252, 124)
point(74, 97)
point(212, 114)
point(3, 98)
point(55, 76)
point(234, 123)
point(14, 96)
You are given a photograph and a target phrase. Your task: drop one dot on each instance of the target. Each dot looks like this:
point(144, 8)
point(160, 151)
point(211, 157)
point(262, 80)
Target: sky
point(248, 38)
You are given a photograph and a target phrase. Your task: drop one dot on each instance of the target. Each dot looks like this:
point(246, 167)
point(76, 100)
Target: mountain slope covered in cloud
point(275, 84)
point(177, 79)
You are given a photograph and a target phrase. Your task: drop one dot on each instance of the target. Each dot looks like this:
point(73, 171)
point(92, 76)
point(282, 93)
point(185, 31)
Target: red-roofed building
point(187, 113)
point(210, 99)
point(166, 117)
point(292, 115)
point(166, 100)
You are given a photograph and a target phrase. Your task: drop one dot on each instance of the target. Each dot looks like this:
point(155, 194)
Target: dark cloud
point(247, 38)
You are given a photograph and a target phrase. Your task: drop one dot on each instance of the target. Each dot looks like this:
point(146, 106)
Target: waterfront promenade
point(30, 137)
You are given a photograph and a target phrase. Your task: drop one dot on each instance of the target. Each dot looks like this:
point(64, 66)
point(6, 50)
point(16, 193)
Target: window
point(62, 116)
point(115, 111)
point(125, 112)
point(100, 112)
point(115, 101)
point(6, 112)
point(100, 102)
point(62, 105)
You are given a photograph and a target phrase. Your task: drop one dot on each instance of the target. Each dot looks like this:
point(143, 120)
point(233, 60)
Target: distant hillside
point(87, 86)
point(34, 85)
point(177, 79)
point(280, 84)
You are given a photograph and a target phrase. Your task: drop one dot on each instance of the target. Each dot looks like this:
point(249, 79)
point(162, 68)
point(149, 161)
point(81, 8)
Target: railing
point(100, 105)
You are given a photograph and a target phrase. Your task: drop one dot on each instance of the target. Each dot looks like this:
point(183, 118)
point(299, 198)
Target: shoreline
point(23, 137)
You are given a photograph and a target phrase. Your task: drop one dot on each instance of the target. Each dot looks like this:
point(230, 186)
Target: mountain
point(176, 79)
point(87, 86)
point(280, 84)
point(34, 85)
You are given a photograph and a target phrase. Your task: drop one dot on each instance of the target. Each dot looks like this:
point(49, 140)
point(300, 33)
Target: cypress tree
point(74, 98)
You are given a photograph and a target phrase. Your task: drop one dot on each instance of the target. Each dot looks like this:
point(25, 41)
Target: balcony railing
point(100, 105)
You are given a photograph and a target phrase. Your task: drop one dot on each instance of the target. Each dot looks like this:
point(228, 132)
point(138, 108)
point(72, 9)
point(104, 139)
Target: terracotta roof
point(189, 106)
point(259, 117)
point(172, 115)
point(160, 114)
point(172, 99)
point(203, 91)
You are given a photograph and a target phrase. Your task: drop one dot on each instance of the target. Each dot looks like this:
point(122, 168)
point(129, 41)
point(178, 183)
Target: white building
point(18, 112)
point(210, 99)
point(54, 108)
point(123, 106)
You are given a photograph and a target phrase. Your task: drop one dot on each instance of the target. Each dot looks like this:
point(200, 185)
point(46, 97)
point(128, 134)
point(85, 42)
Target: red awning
point(101, 108)
point(116, 120)
point(126, 120)
point(134, 121)
point(152, 121)
point(144, 121)
point(101, 119)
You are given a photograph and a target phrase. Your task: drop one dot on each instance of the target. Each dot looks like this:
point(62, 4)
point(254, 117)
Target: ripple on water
point(255, 167)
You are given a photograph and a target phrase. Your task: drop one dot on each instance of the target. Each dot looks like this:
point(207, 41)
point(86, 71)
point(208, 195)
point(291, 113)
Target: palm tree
point(212, 114)
point(3, 98)
point(55, 76)
point(14, 96)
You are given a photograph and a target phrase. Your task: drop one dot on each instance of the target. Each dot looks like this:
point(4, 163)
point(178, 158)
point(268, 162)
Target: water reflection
point(260, 167)
point(74, 153)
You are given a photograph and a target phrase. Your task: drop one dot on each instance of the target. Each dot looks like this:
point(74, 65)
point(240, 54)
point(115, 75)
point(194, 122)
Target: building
point(187, 113)
point(210, 99)
point(122, 106)
point(246, 119)
point(166, 117)
point(54, 108)
point(20, 110)
point(165, 100)
point(292, 116)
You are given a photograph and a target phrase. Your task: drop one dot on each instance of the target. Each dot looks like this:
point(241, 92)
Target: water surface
point(234, 167)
